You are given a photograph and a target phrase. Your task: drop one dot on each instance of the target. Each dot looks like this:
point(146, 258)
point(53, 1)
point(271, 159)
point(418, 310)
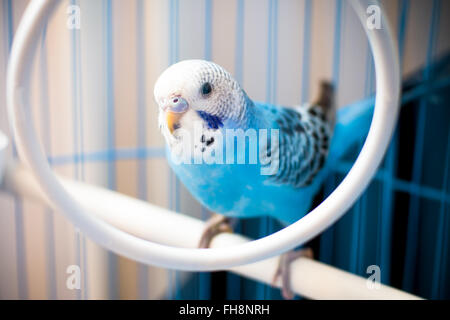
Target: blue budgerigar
point(202, 108)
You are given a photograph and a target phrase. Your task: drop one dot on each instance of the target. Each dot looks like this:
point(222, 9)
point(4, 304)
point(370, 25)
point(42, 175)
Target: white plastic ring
point(3, 147)
point(331, 209)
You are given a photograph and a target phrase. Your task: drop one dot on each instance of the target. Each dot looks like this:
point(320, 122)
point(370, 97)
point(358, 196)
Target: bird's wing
point(303, 144)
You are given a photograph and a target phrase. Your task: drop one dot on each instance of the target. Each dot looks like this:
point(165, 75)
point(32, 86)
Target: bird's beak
point(172, 119)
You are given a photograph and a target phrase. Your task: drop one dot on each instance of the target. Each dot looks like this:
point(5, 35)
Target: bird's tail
point(325, 100)
point(352, 126)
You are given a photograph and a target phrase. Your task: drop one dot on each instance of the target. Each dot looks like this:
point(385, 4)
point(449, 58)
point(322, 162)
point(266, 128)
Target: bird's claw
point(283, 270)
point(215, 225)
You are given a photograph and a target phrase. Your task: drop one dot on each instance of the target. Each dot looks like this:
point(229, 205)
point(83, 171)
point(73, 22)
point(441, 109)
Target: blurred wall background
point(93, 106)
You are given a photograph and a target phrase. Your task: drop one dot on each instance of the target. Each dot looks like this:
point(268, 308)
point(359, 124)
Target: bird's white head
point(198, 90)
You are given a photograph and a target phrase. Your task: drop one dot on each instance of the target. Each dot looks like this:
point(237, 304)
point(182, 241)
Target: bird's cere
point(177, 105)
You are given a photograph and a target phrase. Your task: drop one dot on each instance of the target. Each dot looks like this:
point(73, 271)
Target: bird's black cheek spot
point(202, 139)
point(210, 141)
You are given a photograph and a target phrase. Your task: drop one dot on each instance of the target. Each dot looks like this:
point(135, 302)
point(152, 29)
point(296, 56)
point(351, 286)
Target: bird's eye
point(206, 89)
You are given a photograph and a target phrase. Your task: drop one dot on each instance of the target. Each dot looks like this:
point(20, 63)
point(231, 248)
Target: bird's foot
point(284, 272)
point(215, 225)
